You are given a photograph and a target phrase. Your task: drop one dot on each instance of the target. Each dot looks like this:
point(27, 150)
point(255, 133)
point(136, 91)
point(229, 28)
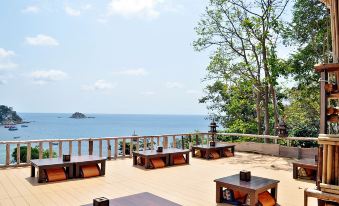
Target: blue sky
point(112, 56)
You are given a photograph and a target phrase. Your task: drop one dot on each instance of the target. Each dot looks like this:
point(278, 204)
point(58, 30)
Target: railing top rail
point(270, 136)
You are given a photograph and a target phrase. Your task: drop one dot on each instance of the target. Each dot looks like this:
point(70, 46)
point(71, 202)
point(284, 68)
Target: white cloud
point(130, 8)
point(45, 76)
point(31, 9)
point(192, 91)
point(7, 65)
point(132, 72)
point(99, 85)
point(72, 12)
point(174, 85)
point(6, 53)
point(42, 40)
point(147, 93)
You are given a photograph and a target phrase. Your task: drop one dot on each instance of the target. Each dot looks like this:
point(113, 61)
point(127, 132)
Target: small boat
point(13, 128)
point(24, 125)
point(16, 137)
point(8, 126)
point(55, 143)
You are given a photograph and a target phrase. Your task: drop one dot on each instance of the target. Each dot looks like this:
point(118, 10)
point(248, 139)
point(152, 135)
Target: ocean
point(59, 125)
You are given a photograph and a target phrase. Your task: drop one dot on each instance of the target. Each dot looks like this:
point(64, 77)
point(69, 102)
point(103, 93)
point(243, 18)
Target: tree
point(7, 115)
point(244, 34)
point(34, 153)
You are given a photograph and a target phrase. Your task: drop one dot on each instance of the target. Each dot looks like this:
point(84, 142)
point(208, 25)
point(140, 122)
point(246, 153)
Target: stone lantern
point(213, 127)
point(282, 129)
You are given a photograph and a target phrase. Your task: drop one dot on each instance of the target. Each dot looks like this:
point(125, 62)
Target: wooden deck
point(187, 185)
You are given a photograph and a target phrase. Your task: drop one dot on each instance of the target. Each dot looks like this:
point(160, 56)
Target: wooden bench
point(324, 196)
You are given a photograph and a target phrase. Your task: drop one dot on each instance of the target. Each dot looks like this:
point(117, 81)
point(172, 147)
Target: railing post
point(196, 139)
point(145, 143)
point(8, 154)
point(116, 148)
point(109, 150)
point(29, 152)
point(50, 150)
point(41, 150)
point(158, 141)
point(165, 142)
point(60, 148)
point(90, 147)
point(18, 154)
point(152, 143)
point(182, 142)
point(131, 148)
point(70, 145)
point(123, 147)
point(100, 147)
point(174, 142)
point(79, 147)
point(137, 146)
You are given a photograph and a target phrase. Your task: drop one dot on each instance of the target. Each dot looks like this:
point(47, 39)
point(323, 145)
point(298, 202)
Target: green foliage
point(34, 153)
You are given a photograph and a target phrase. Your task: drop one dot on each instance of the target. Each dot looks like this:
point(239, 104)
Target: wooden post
point(41, 149)
point(50, 150)
point(196, 139)
point(165, 142)
point(60, 148)
point(123, 147)
point(158, 141)
point(109, 150)
point(29, 153)
point(182, 142)
point(324, 173)
point(79, 147)
point(90, 147)
point(320, 166)
point(8, 154)
point(152, 143)
point(17, 154)
point(145, 143)
point(336, 165)
point(131, 148)
point(174, 142)
point(100, 147)
point(70, 145)
point(137, 146)
point(116, 148)
point(329, 164)
point(323, 103)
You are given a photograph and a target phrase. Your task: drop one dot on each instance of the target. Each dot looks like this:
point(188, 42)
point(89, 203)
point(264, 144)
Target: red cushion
point(179, 159)
point(157, 163)
point(56, 174)
point(265, 199)
point(228, 153)
point(90, 170)
point(214, 155)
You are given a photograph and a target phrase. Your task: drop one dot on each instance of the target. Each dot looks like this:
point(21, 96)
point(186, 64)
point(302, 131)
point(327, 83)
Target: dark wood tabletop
point(141, 199)
point(256, 183)
point(164, 152)
point(306, 162)
point(59, 161)
point(217, 145)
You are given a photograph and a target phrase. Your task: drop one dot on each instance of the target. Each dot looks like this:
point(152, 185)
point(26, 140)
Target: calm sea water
point(57, 126)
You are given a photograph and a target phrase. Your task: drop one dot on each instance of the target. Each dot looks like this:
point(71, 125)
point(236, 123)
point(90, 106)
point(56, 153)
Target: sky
point(104, 56)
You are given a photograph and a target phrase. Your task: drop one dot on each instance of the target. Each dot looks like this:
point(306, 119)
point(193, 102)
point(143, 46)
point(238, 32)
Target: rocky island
point(78, 115)
point(8, 116)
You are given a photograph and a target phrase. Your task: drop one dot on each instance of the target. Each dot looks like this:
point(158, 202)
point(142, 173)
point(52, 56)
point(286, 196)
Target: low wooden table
point(166, 153)
point(254, 187)
point(76, 162)
point(207, 149)
point(306, 164)
point(141, 199)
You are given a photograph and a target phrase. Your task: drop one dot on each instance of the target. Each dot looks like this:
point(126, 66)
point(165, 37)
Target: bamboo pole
point(174, 142)
point(109, 149)
point(137, 146)
point(116, 148)
point(50, 150)
point(79, 147)
point(329, 164)
point(145, 143)
point(131, 148)
point(324, 164)
point(336, 165)
point(123, 147)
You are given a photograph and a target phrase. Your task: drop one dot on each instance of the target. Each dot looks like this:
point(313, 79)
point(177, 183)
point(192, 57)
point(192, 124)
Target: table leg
point(295, 171)
point(77, 170)
point(169, 160)
point(103, 168)
point(274, 192)
point(305, 198)
point(207, 154)
point(135, 159)
point(147, 162)
point(187, 158)
point(70, 171)
point(253, 199)
point(193, 152)
point(40, 177)
point(32, 171)
point(218, 193)
point(221, 152)
point(232, 150)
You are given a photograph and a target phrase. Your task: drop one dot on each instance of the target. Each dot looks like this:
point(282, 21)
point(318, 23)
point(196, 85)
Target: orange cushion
point(238, 194)
point(197, 153)
point(179, 159)
point(265, 199)
point(228, 153)
point(90, 170)
point(214, 155)
point(55, 174)
point(157, 163)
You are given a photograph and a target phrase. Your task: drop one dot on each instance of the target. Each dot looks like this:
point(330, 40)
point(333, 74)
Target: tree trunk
point(258, 110)
point(275, 107)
